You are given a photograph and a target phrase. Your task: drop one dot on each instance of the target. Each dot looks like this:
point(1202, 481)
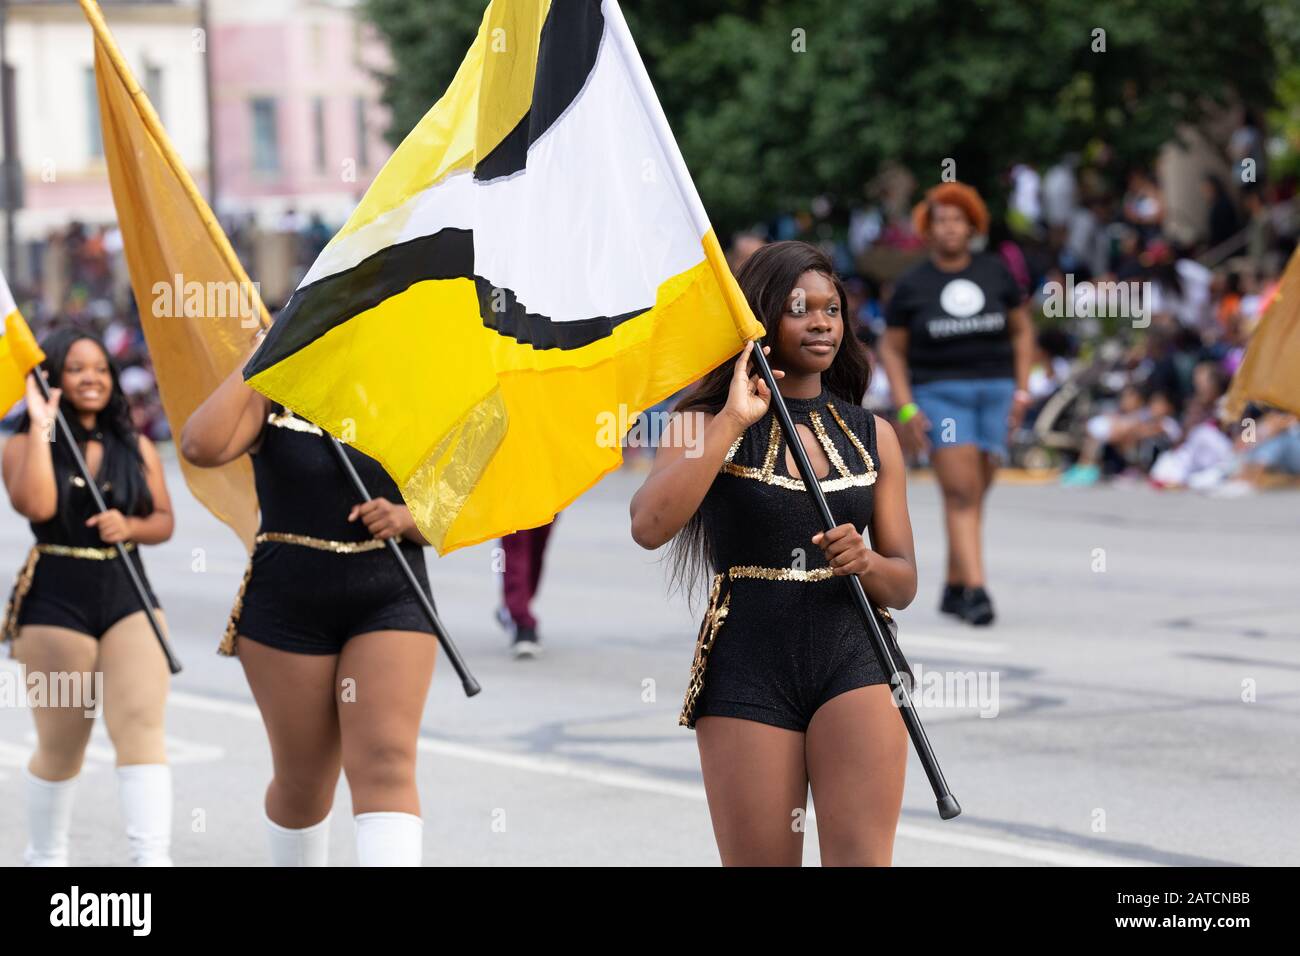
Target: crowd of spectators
point(78, 277)
point(1141, 321)
point(1127, 392)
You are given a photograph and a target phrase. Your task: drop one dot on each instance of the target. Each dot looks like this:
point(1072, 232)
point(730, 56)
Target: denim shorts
point(967, 411)
point(1279, 453)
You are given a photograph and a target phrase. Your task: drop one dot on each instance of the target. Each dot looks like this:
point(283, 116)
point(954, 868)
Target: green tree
point(776, 102)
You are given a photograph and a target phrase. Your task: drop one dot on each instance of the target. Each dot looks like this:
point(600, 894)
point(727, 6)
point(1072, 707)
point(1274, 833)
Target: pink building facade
point(297, 120)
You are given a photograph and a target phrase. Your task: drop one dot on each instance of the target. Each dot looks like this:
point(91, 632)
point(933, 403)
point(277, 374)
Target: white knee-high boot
point(388, 838)
point(49, 815)
point(308, 846)
point(145, 790)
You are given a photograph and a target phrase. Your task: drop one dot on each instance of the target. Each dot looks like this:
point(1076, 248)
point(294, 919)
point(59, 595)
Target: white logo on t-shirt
point(961, 298)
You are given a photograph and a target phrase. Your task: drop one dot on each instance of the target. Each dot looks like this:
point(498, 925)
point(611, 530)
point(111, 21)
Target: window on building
point(318, 128)
point(266, 135)
point(363, 139)
point(153, 88)
point(94, 132)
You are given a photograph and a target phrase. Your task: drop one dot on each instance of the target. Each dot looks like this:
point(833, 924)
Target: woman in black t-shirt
point(957, 350)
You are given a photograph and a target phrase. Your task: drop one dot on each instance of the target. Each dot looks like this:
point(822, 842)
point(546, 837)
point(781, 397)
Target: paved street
point(1120, 735)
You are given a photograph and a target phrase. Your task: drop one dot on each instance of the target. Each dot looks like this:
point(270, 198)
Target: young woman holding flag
point(785, 691)
point(335, 646)
point(73, 611)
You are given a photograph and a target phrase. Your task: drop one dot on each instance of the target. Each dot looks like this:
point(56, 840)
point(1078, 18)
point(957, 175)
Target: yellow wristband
point(907, 413)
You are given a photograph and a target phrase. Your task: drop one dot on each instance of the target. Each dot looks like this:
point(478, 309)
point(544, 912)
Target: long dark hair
point(766, 279)
point(121, 465)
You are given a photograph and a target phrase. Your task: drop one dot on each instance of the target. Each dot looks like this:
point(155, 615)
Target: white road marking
point(100, 751)
point(554, 767)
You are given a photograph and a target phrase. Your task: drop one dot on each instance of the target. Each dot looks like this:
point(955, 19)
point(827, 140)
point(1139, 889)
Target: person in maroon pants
point(525, 552)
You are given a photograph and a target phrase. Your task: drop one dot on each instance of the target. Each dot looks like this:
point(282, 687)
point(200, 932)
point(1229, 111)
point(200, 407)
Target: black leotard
point(71, 578)
point(782, 635)
point(316, 579)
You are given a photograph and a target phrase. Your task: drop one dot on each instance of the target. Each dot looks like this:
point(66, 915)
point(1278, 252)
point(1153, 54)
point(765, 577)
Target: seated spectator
point(1275, 451)
point(1277, 448)
point(1133, 434)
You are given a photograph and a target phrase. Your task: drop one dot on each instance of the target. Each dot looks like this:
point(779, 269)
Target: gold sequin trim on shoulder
point(767, 474)
point(769, 457)
point(735, 447)
point(713, 618)
point(292, 422)
point(832, 453)
point(857, 442)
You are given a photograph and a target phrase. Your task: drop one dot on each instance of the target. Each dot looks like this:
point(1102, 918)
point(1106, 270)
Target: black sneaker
point(953, 601)
point(979, 607)
point(526, 643)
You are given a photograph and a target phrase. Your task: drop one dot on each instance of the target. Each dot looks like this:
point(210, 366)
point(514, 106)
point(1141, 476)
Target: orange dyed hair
point(960, 195)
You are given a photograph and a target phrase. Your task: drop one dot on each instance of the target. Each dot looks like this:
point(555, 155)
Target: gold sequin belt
point(716, 613)
point(91, 554)
point(778, 574)
point(789, 574)
point(321, 544)
point(9, 622)
point(229, 640)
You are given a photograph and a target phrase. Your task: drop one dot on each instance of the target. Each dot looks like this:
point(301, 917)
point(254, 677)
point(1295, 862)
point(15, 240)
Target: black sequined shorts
point(76, 591)
point(774, 651)
point(310, 600)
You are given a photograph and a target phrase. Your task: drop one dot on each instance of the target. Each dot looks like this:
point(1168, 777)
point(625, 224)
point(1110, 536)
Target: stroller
point(1054, 430)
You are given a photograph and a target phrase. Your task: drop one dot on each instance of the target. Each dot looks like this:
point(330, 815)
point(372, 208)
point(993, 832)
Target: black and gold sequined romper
point(782, 635)
point(71, 578)
point(315, 579)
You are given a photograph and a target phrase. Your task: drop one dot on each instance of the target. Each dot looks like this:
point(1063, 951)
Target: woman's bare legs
point(61, 732)
point(136, 680)
point(757, 787)
point(857, 760)
point(964, 478)
point(296, 694)
point(385, 677)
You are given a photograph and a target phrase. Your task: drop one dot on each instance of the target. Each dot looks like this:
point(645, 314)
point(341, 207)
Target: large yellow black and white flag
point(532, 260)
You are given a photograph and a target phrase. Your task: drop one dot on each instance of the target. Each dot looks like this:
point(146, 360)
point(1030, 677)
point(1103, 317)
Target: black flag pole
point(948, 805)
point(173, 664)
point(466, 678)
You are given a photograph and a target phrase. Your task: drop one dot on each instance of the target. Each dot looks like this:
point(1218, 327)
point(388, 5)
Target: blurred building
point(297, 125)
point(60, 145)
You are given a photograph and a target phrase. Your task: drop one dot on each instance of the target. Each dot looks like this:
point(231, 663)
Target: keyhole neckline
point(784, 455)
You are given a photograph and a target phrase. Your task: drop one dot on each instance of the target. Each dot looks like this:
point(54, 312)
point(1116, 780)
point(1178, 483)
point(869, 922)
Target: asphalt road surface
point(1137, 702)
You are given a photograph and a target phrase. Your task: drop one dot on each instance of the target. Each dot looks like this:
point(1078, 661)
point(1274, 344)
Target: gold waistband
point(779, 574)
point(229, 641)
point(321, 544)
point(92, 554)
point(790, 574)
